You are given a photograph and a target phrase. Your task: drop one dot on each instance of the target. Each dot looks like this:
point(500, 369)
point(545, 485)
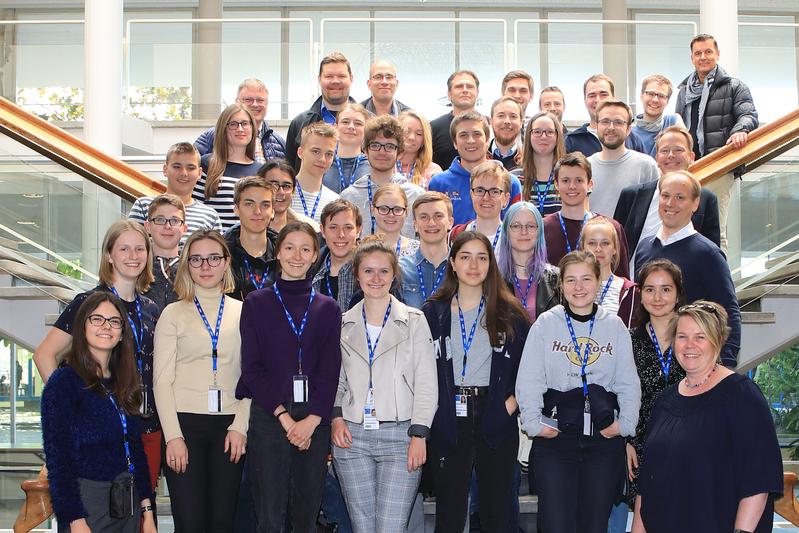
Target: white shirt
point(685, 232)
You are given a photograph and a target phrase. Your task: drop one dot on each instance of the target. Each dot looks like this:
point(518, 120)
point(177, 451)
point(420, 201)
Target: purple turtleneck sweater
point(269, 347)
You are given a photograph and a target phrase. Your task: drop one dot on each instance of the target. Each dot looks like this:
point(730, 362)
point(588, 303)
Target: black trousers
point(283, 478)
point(495, 470)
point(578, 480)
point(204, 496)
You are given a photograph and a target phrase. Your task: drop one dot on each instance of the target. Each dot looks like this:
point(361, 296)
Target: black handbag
point(121, 504)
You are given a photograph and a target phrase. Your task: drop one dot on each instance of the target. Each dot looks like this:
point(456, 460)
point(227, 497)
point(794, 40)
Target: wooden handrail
point(787, 506)
point(75, 154)
point(772, 139)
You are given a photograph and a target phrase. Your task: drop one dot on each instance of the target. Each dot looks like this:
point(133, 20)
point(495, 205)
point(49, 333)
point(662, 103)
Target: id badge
point(145, 408)
point(588, 428)
point(214, 400)
point(461, 405)
point(300, 387)
point(369, 415)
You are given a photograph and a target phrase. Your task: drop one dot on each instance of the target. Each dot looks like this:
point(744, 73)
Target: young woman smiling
point(291, 371)
point(390, 209)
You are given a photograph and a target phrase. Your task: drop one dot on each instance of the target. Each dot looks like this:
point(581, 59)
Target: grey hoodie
point(358, 193)
point(549, 361)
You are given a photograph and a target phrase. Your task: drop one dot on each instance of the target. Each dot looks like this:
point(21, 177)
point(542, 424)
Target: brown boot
point(37, 507)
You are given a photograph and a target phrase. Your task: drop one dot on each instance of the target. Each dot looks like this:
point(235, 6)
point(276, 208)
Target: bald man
point(383, 83)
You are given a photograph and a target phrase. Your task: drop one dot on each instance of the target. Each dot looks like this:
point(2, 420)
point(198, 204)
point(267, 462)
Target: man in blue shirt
point(423, 271)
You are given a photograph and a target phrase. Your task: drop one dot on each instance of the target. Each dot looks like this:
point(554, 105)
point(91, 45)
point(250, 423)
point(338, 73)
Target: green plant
point(778, 378)
point(69, 270)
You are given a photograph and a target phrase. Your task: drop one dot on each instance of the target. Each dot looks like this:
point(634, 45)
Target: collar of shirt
point(497, 153)
point(685, 232)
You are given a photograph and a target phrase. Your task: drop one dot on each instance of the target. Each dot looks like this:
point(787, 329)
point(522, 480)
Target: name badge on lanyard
point(138, 337)
point(299, 381)
point(370, 420)
point(214, 391)
point(588, 427)
point(462, 400)
point(461, 405)
point(369, 413)
point(300, 388)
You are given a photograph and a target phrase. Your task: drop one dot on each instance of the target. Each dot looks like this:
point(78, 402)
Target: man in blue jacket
point(584, 139)
point(253, 95)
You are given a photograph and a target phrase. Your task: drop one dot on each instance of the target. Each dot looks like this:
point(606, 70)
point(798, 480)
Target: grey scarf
point(694, 91)
point(654, 126)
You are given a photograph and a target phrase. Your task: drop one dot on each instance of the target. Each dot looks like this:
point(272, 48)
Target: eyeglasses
point(672, 151)
point(704, 307)
point(390, 148)
point(284, 186)
point(251, 101)
point(163, 221)
point(196, 261)
point(99, 321)
point(381, 77)
point(605, 122)
point(654, 94)
point(517, 227)
point(543, 132)
point(233, 125)
point(493, 192)
point(397, 210)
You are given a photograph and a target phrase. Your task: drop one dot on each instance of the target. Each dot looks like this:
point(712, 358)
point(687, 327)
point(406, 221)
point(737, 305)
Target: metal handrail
point(50, 252)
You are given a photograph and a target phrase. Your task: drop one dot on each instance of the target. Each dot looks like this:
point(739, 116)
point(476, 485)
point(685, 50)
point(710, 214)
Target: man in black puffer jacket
point(718, 110)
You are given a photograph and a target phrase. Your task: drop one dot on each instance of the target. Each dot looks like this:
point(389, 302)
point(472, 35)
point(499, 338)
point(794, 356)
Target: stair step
point(769, 289)
point(758, 317)
point(37, 292)
point(43, 263)
point(8, 243)
point(25, 272)
point(49, 320)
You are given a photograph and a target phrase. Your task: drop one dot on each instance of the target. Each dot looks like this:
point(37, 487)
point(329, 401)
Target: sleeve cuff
point(337, 412)
point(418, 430)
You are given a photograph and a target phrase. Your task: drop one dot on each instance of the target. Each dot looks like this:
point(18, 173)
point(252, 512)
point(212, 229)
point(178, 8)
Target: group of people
point(288, 299)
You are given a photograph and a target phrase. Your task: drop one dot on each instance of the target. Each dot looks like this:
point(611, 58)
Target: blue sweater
point(705, 275)
point(455, 182)
point(82, 436)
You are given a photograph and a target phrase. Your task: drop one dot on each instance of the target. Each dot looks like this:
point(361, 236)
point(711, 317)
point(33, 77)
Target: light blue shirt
point(411, 287)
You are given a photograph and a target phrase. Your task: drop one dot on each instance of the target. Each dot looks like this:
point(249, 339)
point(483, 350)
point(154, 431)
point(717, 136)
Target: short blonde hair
point(184, 285)
point(106, 274)
point(711, 319)
point(602, 222)
point(166, 199)
point(492, 169)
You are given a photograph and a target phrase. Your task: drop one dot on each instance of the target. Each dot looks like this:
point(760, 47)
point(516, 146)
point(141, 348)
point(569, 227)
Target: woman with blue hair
point(522, 259)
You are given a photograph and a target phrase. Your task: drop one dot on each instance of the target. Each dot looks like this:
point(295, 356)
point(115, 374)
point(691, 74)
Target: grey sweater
point(549, 361)
point(610, 177)
point(358, 193)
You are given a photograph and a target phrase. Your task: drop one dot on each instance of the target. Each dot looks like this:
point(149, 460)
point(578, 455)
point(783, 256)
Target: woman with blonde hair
point(233, 157)
point(197, 368)
point(543, 146)
point(416, 161)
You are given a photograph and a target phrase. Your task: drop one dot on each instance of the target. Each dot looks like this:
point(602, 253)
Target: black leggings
point(204, 496)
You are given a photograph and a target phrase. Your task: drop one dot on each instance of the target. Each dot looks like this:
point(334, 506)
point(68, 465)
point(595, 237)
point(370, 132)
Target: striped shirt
point(547, 193)
point(310, 199)
point(222, 201)
point(198, 216)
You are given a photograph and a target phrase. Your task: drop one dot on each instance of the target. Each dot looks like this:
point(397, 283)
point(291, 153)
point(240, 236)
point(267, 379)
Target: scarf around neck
point(695, 90)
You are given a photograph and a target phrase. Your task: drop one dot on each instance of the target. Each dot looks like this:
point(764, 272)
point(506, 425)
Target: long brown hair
point(220, 154)
point(528, 155)
point(107, 272)
point(503, 309)
point(125, 384)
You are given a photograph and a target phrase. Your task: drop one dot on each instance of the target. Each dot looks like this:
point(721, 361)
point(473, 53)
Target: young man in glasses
point(316, 152)
point(166, 225)
point(281, 176)
point(469, 134)
point(655, 95)
point(383, 140)
point(490, 186)
point(615, 166)
point(251, 251)
point(383, 83)
point(182, 170)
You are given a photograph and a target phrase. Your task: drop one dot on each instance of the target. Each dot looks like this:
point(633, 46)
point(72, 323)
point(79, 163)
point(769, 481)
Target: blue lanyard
point(665, 359)
point(304, 205)
point(345, 184)
point(369, 341)
point(584, 358)
point(496, 235)
point(467, 343)
point(138, 333)
point(542, 197)
point(605, 290)
point(297, 331)
point(327, 115)
point(409, 175)
point(327, 277)
point(124, 420)
point(566, 235)
point(399, 245)
point(213, 333)
point(252, 276)
point(526, 292)
point(369, 191)
point(437, 281)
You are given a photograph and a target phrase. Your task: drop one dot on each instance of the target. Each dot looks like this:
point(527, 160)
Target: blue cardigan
point(82, 436)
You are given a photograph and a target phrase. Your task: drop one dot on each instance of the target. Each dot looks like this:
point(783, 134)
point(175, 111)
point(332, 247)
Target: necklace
point(517, 265)
point(697, 385)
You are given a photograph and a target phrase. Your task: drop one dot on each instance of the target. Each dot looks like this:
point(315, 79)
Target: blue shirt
point(411, 288)
point(455, 182)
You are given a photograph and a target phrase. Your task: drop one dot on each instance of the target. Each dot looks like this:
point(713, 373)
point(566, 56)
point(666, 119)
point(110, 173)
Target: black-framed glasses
point(99, 320)
point(517, 227)
point(704, 307)
point(196, 261)
point(618, 123)
point(163, 221)
point(233, 125)
point(388, 147)
point(284, 186)
point(543, 132)
point(493, 192)
point(396, 210)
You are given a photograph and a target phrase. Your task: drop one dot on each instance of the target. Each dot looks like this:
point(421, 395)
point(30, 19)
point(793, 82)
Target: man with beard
point(616, 167)
point(335, 80)
point(506, 123)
